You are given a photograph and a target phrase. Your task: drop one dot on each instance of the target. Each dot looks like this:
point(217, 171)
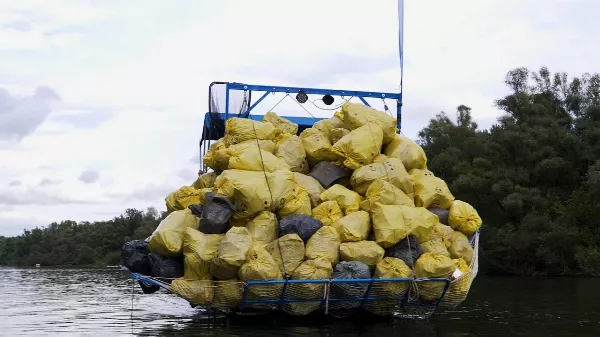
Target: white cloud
point(133, 80)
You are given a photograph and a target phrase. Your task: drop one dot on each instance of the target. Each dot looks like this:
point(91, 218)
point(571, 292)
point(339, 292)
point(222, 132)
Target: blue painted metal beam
point(315, 91)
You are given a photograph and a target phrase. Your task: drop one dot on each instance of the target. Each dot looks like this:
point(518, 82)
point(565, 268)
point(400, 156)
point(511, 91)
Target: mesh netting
point(459, 288)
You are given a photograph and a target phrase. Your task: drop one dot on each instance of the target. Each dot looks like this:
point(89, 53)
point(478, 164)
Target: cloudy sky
point(101, 102)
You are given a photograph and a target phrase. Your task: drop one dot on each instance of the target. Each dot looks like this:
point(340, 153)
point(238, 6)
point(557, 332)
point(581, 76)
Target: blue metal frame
point(309, 91)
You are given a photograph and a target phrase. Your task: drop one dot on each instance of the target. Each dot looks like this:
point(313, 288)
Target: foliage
point(84, 243)
point(534, 177)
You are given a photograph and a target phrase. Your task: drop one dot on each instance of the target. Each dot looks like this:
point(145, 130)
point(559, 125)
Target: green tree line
point(533, 177)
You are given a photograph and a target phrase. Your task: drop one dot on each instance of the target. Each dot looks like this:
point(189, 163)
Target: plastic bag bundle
point(464, 218)
point(186, 196)
point(198, 250)
point(291, 150)
point(388, 224)
point(419, 222)
point(318, 148)
point(441, 232)
point(360, 146)
point(165, 267)
point(231, 254)
point(357, 115)
point(436, 246)
point(251, 193)
point(431, 191)
point(288, 252)
point(411, 154)
point(336, 134)
point(327, 212)
point(206, 180)
point(327, 125)
point(384, 192)
point(303, 225)
point(167, 239)
point(349, 270)
point(314, 269)
point(228, 294)
point(260, 266)
point(353, 227)
point(263, 228)
point(367, 252)
point(248, 156)
point(324, 244)
point(281, 124)
point(299, 204)
point(238, 130)
point(389, 267)
point(216, 158)
point(460, 247)
point(347, 199)
point(197, 292)
point(433, 266)
point(441, 213)
point(215, 215)
point(390, 170)
point(312, 186)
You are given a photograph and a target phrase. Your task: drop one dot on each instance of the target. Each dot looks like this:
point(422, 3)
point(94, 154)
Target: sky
point(102, 102)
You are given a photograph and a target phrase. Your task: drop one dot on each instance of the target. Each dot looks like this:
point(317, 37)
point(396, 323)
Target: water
point(97, 302)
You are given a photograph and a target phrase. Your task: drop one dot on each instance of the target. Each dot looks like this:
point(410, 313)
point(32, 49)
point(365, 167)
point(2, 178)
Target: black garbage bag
point(441, 213)
point(302, 225)
point(196, 209)
point(350, 270)
point(216, 212)
point(407, 250)
point(134, 256)
point(328, 174)
point(165, 267)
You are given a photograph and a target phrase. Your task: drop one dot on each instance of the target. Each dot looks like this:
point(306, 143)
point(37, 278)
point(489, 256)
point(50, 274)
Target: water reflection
point(98, 302)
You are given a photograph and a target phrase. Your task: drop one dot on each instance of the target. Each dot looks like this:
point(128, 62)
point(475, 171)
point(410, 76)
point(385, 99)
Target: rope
point(270, 193)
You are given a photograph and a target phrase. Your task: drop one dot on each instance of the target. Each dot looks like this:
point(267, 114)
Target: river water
point(78, 302)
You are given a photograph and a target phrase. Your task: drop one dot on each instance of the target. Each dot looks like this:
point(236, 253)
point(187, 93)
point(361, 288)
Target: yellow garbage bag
point(228, 294)
point(239, 130)
point(318, 148)
point(324, 244)
point(411, 154)
point(431, 191)
point(464, 218)
point(281, 124)
point(288, 252)
point(347, 199)
point(380, 158)
point(260, 266)
point(392, 267)
point(298, 204)
point(264, 144)
point(442, 232)
point(460, 247)
point(246, 156)
point(216, 158)
point(336, 134)
point(198, 292)
point(360, 146)
point(388, 224)
point(419, 222)
point(186, 196)
point(355, 226)
point(315, 269)
point(390, 170)
point(433, 266)
point(238, 222)
point(206, 180)
point(167, 238)
point(384, 192)
point(231, 254)
point(326, 125)
point(250, 192)
point(367, 252)
point(312, 186)
point(290, 149)
point(171, 203)
point(327, 212)
point(263, 228)
point(357, 115)
point(198, 250)
point(436, 246)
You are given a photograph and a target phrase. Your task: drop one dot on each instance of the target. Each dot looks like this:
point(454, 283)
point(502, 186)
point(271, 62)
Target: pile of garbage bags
point(348, 198)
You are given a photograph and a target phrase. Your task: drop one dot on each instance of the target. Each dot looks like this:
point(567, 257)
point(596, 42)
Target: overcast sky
point(101, 102)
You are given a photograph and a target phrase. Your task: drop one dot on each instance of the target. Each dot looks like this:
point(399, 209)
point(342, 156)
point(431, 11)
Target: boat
point(236, 100)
